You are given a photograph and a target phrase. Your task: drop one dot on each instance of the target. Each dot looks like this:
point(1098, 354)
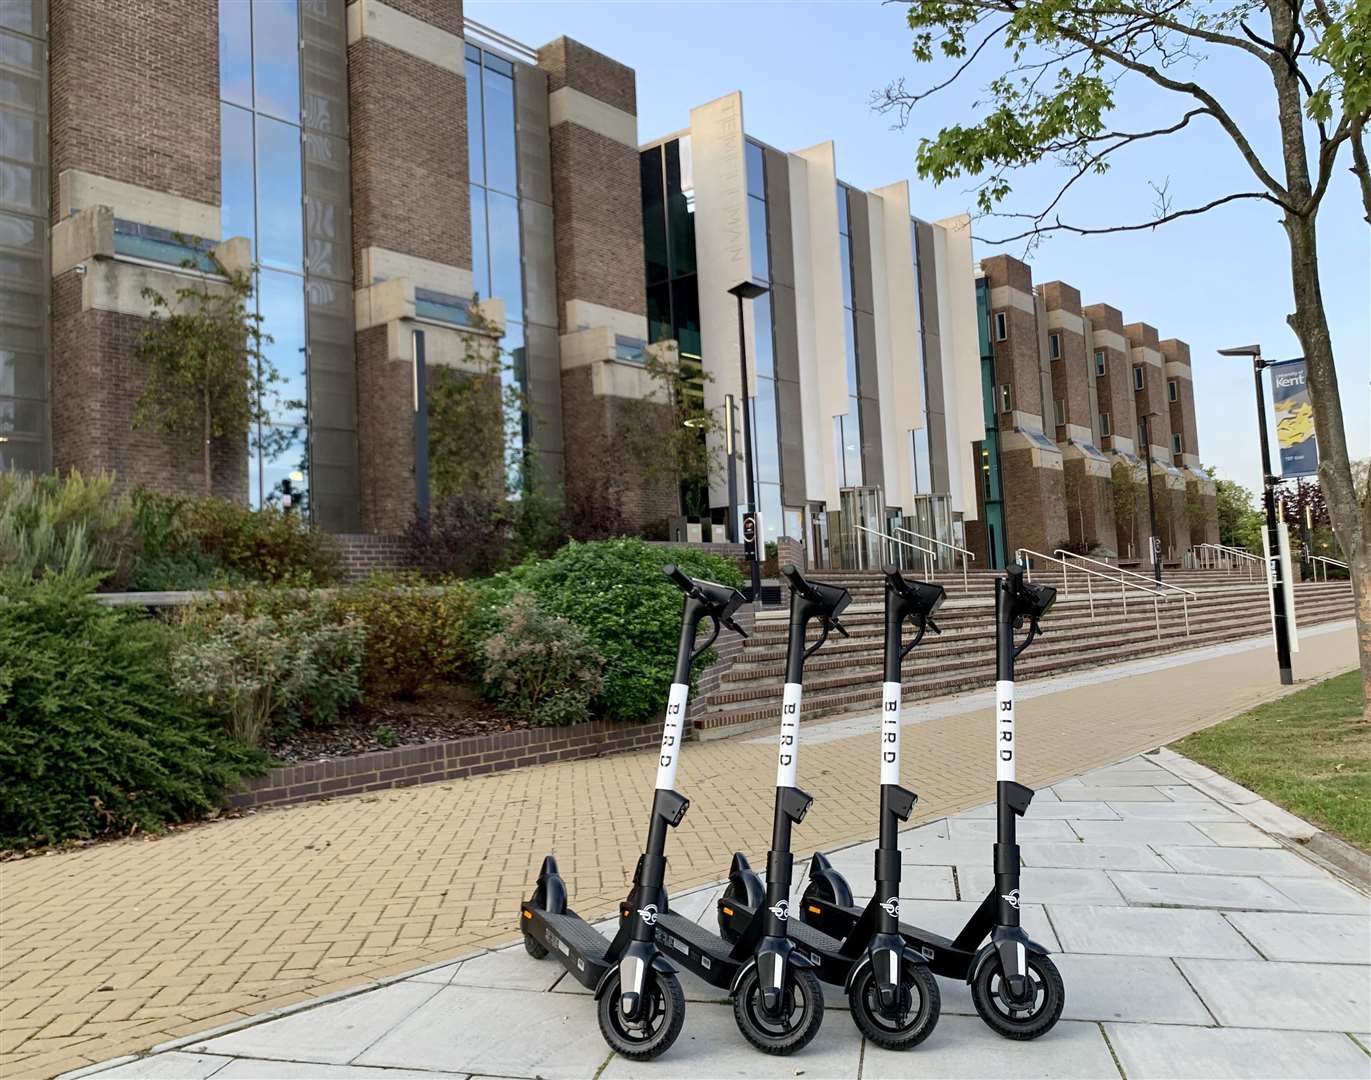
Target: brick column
point(598, 239)
point(1030, 463)
point(1114, 395)
point(134, 138)
point(1167, 485)
point(1201, 502)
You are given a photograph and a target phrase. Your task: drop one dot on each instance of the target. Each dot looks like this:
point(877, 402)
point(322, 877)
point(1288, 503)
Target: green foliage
point(542, 668)
point(1310, 752)
point(414, 634)
point(268, 659)
point(207, 376)
point(168, 556)
point(615, 590)
point(270, 546)
point(1240, 522)
point(1126, 485)
point(466, 441)
point(63, 525)
point(93, 739)
point(670, 434)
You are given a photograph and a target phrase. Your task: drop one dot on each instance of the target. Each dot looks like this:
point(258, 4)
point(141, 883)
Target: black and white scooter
point(777, 1000)
point(640, 1002)
point(894, 997)
point(1016, 987)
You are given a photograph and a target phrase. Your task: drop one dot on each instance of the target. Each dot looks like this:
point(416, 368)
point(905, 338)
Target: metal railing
point(1226, 557)
point(1186, 594)
point(1124, 584)
point(1326, 560)
point(963, 552)
point(928, 553)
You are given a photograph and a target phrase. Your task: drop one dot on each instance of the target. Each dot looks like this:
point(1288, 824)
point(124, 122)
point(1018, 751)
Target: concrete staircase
point(846, 675)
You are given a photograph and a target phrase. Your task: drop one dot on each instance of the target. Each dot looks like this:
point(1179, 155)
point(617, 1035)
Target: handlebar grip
point(797, 580)
point(678, 578)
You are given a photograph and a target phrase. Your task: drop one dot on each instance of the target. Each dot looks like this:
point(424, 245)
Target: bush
point(168, 556)
point(264, 660)
point(615, 590)
point(541, 668)
point(414, 636)
point(64, 525)
point(93, 739)
point(270, 546)
point(462, 537)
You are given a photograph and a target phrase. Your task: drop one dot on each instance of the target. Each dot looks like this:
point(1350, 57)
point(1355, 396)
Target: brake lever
point(735, 628)
point(836, 625)
point(928, 620)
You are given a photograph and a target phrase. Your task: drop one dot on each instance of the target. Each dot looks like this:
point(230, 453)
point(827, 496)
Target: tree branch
point(1360, 167)
point(1061, 226)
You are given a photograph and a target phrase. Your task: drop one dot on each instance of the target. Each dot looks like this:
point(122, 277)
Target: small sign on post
point(1299, 447)
point(750, 537)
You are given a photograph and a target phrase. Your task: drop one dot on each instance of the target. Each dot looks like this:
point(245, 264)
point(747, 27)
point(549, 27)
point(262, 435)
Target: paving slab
point(1135, 793)
point(1048, 811)
point(507, 969)
point(916, 881)
point(1125, 931)
point(963, 1047)
point(1133, 776)
point(1174, 811)
point(1236, 834)
point(257, 1069)
point(1047, 885)
point(1184, 793)
point(1139, 989)
point(1028, 829)
point(333, 1034)
point(1139, 832)
point(1177, 890)
point(173, 1066)
point(711, 1046)
point(948, 852)
point(439, 976)
point(463, 1029)
point(1271, 818)
point(1166, 1052)
point(1283, 996)
point(1092, 856)
point(1324, 895)
point(1254, 862)
point(1301, 937)
point(947, 917)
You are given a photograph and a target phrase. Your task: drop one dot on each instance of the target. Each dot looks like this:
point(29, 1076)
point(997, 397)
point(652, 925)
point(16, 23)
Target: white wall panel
point(899, 304)
point(961, 357)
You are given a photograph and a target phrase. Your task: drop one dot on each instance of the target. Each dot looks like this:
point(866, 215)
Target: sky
point(807, 72)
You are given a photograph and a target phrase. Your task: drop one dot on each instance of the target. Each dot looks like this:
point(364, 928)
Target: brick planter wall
point(370, 553)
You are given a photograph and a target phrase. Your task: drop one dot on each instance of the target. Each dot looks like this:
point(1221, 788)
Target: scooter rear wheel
point(534, 947)
point(801, 1014)
point(918, 1016)
point(663, 1015)
point(1020, 1021)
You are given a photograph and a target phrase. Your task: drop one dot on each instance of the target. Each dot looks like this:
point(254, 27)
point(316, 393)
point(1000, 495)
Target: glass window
point(1006, 399)
point(235, 134)
point(476, 153)
point(838, 450)
point(22, 188)
point(923, 466)
point(769, 503)
point(498, 64)
point(280, 237)
point(852, 444)
point(26, 16)
point(1059, 412)
point(284, 452)
point(765, 359)
point(654, 214)
point(685, 310)
point(1104, 424)
point(757, 239)
point(235, 52)
point(1172, 390)
point(842, 209)
point(281, 303)
point(1001, 330)
point(680, 222)
point(21, 374)
point(480, 249)
point(845, 268)
point(659, 311)
point(506, 266)
point(502, 170)
point(849, 355)
point(1137, 377)
point(276, 57)
point(328, 232)
point(1099, 362)
point(1054, 346)
point(756, 171)
point(765, 433)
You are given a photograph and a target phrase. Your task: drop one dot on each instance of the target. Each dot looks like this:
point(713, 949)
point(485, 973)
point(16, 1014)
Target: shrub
point(615, 590)
point(462, 537)
point(264, 660)
point(64, 525)
point(541, 668)
point(93, 739)
point(270, 546)
point(414, 636)
point(168, 556)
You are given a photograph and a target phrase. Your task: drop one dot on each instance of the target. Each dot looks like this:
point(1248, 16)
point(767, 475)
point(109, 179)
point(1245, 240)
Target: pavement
point(120, 947)
point(1192, 944)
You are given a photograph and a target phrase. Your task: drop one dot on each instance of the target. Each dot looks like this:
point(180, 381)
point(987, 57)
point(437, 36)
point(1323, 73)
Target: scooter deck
point(583, 950)
point(831, 964)
point(706, 954)
point(944, 957)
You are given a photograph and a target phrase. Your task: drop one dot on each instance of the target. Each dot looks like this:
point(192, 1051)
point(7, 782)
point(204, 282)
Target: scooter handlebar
point(721, 601)
point(833, 598)
point(924, 597)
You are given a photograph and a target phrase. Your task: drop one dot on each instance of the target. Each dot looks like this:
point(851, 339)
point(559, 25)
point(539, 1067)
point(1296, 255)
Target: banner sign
point(1294, 418)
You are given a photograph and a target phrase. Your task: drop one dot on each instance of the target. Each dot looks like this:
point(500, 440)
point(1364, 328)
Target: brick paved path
point(118, 947)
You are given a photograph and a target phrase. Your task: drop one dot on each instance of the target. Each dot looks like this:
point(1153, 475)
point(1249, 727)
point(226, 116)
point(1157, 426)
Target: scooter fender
point(744, 882)
point(1003, 937)
point(908, 955)
point(826, 883)
point(659, 964)
point(770, 961)
point(550, 892)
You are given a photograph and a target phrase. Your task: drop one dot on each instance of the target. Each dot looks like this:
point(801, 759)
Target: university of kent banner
point(1294, 419)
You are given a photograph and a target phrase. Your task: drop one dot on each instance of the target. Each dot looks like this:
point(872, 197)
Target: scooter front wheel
point(796, 1023)
point(653, 1032)
point(911, 1022)
point(1028, 1019)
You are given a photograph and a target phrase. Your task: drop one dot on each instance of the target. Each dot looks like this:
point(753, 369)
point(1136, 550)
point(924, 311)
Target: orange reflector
point(815, 911)
point(728, 911)
point(527, 914)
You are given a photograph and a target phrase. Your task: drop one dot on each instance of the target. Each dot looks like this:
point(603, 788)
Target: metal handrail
point(1124, 585)
point(929, 553)
point(963, 552)
point(1222, 556)
point(1326, 559)
point(1190, 593)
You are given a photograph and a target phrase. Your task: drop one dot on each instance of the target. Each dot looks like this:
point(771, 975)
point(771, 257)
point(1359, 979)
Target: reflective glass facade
point(766, 454)
point(284, 174)
point(24, 278)
point(923, 463)
point(847, 429)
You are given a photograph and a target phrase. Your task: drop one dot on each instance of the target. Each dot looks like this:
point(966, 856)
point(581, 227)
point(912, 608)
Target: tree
point(1053, 100)
point(207, 378)
point(1240, 522)
point(1126, 487)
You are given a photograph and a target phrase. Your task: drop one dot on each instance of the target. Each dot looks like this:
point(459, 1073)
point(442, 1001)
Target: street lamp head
point(748, 290)
point(1242, 350)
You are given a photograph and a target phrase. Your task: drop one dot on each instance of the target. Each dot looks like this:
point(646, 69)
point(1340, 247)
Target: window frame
point(1139, 379)
point(1104, 425)
point(1006, 397)
point(1001, 326)
point(1177, 443)
point(1054, 345)
point(1059, 412)
point(1173, 390)
point(1100, 364)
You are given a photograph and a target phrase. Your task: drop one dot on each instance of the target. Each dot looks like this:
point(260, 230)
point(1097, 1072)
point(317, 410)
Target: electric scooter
point(894, 997)
point(777, 1000)
point(639, 999)
point(1016, 987)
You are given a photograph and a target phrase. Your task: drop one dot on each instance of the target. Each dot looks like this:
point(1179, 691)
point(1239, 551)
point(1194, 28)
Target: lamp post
point(748, 290)
point(1273, 538)
point(1153, 539)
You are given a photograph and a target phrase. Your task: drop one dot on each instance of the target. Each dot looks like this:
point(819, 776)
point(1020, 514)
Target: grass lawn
point(1309, 752)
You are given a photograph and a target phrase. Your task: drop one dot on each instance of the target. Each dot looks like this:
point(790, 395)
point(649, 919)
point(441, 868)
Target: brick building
point(416, 194)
